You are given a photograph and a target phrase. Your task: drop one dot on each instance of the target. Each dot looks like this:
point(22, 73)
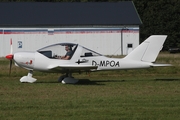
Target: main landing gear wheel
point(61, 78)
point(67, 79)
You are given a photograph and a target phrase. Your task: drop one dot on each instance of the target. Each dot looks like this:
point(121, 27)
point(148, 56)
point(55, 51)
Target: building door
point(129, 47)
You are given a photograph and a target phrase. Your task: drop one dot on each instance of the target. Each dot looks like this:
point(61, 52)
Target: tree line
point(161, 17)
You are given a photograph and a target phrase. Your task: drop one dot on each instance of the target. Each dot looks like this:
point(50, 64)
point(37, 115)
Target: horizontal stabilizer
point(160, 65)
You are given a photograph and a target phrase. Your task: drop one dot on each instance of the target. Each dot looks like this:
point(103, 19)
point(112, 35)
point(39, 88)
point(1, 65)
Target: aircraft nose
point(25, 59)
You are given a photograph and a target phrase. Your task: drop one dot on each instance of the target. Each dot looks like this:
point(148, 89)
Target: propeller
point(10, 56)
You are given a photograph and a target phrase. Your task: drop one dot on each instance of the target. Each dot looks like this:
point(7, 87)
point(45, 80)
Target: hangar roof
point(66, 13)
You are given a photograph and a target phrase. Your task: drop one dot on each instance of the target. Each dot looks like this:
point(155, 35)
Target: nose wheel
point(28, 78)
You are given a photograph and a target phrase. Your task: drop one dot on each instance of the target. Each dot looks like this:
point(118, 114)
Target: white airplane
point(85, 60)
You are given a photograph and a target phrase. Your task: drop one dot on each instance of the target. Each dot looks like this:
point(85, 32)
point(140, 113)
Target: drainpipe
point(124, 28)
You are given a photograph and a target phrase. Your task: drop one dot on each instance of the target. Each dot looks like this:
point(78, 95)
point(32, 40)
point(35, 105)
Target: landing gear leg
point(28, 78)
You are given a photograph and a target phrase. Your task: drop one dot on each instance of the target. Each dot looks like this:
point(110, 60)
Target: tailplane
point(148, 50)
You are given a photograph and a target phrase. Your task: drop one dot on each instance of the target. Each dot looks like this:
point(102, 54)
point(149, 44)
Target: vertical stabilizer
point(148, 50)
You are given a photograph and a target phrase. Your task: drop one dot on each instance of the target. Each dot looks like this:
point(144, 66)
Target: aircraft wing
point(72, 67)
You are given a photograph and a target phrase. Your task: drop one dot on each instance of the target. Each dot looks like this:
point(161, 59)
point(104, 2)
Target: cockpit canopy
point(52, 51)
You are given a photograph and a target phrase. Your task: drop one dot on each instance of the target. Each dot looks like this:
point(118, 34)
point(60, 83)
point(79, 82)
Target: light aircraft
point(85, 60)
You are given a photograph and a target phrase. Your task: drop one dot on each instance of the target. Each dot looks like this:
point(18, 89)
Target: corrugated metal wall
point(106, 41)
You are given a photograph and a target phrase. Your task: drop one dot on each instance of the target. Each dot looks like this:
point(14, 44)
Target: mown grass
point(127, 94)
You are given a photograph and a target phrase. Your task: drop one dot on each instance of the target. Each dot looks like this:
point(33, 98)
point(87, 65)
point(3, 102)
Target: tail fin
point(148, 50)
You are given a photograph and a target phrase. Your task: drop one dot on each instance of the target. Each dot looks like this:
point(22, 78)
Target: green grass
point(151, 94)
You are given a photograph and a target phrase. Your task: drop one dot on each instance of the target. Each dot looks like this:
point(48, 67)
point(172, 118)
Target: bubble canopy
point(59, 49)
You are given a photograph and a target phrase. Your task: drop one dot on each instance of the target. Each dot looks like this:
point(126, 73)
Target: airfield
point(152, 94)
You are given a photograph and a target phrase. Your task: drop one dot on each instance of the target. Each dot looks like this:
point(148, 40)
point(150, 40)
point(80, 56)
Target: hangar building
point(109, 28)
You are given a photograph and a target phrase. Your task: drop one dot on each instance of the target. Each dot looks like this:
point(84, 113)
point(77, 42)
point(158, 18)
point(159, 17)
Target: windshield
point(55, 50)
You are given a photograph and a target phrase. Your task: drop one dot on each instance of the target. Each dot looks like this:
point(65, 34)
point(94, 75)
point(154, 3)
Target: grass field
point(144, 94)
